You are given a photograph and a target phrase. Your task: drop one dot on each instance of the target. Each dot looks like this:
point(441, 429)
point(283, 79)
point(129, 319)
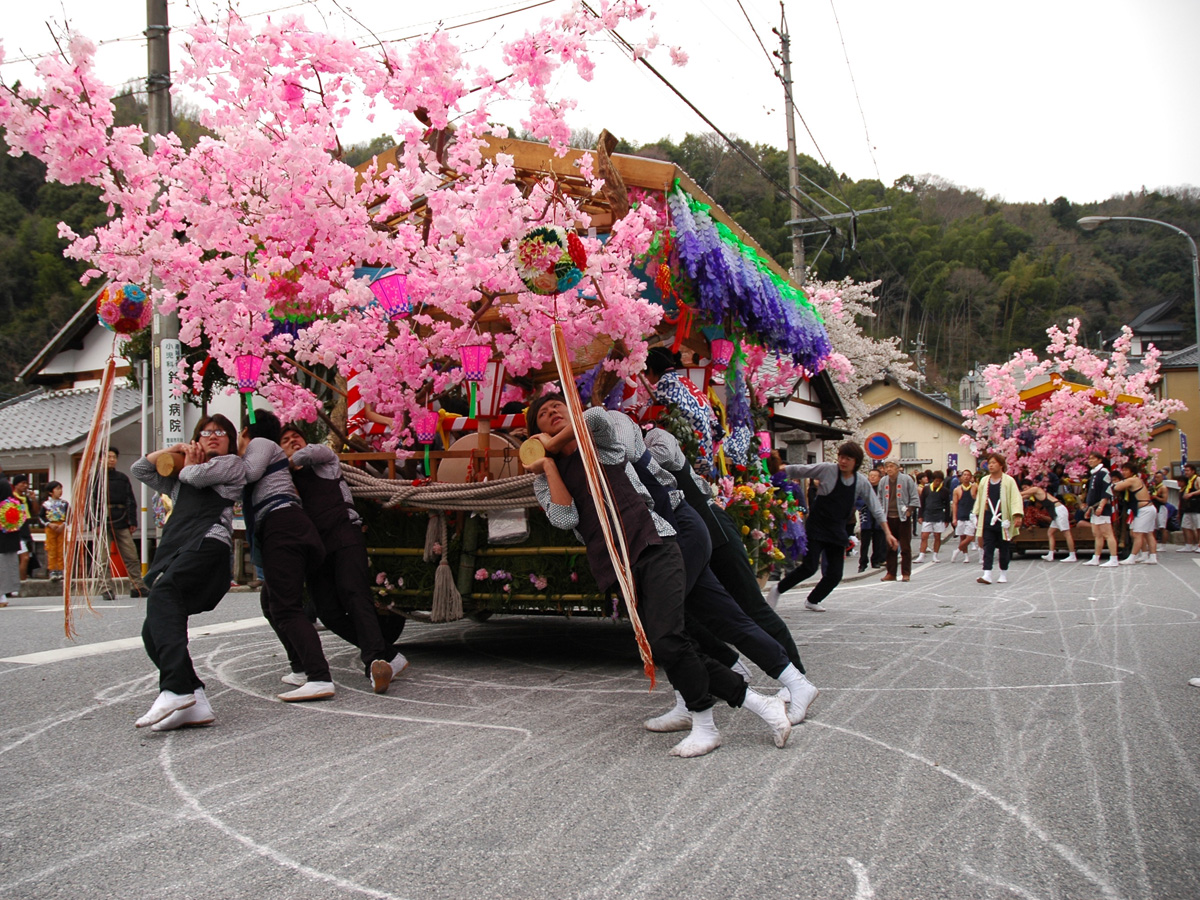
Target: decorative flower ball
point(124, 309)
point(550, 259)
point(12, 515)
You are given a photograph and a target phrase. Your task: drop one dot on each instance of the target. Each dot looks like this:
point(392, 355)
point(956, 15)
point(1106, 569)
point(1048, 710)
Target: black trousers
point(835, 563)
point(993, 537)
point(902, 531)
point(341, 592)
point(291, 549)
point(194, 583)
point(659, 578)
point(708, 604)
point(872, 548)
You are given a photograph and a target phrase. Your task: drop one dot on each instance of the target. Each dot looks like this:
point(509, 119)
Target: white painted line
point(98, 649)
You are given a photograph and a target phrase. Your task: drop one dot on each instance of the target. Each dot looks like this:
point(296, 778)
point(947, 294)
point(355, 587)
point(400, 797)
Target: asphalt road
point(1030, 740)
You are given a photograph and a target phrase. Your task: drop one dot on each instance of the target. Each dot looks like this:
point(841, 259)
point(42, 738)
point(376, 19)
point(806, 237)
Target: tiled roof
point(57, 418)
point(1180, 359)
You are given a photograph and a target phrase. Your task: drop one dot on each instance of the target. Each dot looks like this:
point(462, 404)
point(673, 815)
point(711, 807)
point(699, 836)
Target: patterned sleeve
point(145, 472)
point(226, 473)
point(670, 391)
point(564, 517)
point(609, 447)
point(321, 459)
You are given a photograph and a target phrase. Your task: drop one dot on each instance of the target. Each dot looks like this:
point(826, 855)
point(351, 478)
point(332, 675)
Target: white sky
point(1023, 100)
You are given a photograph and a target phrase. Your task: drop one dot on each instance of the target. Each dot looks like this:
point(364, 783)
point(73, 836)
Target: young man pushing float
point(657, 566)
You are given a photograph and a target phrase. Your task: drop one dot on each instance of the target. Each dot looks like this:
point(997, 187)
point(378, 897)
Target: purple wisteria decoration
point(733, 283)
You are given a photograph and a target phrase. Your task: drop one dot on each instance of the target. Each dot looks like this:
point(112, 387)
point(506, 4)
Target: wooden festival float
point(453, 525)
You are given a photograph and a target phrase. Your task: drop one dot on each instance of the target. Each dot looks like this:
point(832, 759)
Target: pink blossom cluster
point(266, 215)
point(1113, 415)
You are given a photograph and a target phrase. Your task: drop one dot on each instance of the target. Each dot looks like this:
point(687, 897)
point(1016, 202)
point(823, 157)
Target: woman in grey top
point(190, 572)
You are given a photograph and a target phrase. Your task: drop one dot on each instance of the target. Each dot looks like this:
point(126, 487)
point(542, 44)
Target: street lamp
point(1091, 223)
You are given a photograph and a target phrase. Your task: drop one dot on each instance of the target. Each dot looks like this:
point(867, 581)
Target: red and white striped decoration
point(357, 422)
point(463, 423)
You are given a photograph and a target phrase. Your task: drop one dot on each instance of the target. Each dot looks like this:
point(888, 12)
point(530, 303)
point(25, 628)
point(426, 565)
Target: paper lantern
point(722, 353)
point(550, 259)
point(248, 369)
point(425, 424)
point(123, 308)
point(391, 290)
point(764, 443)
point(474, 361)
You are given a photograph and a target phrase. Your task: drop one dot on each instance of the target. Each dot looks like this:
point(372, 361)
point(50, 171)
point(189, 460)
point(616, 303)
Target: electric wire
point(737, 148)
point(854, 84)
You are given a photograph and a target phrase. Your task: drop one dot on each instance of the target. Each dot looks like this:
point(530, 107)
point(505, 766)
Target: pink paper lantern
point(764, 443)
point(722, 353)
point(425, 424)
point(248, 369)
point(474, 361)
point(391, 290)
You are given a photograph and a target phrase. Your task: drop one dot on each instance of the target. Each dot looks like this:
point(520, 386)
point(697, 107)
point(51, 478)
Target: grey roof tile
point(1180, 359)
point(57, 418)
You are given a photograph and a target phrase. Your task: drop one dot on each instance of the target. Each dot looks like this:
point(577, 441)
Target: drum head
point(454, 471)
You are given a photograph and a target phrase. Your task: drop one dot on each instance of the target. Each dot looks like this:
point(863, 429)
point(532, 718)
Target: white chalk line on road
point(275, 856)
point(1064, 852)
point(44, 657)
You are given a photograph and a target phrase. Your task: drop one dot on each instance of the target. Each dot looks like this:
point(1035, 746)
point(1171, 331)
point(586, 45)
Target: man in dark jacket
point(122, 520)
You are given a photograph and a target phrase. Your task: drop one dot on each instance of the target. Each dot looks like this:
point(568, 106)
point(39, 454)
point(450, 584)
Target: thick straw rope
point(504, 493)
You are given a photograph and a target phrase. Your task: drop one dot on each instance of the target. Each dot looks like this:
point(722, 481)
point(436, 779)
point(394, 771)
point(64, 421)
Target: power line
point(737, 148)
point(854, 84)
point(766, 53)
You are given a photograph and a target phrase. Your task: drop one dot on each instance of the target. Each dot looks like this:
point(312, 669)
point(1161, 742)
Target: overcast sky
point(1023, 100)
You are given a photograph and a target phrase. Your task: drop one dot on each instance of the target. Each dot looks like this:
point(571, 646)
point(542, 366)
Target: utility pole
point(919, 353)
point(168, 410)
point(785, 58)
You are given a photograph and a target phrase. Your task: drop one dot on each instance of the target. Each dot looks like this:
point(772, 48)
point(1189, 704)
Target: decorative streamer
point(606, 509)
point(87, 519)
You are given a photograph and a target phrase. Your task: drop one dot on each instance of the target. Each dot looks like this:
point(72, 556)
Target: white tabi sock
point(703, 738)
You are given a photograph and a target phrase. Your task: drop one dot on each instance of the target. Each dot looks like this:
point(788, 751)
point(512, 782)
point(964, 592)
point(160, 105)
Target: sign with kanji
point(172, 352)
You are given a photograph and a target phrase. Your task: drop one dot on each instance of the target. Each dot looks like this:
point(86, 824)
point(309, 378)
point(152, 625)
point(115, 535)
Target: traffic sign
point(879, 445)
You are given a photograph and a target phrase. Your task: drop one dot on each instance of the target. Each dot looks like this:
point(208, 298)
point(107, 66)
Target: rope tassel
point(606, 508)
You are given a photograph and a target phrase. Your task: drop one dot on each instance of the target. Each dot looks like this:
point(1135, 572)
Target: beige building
point(923, 432)
point(1179, 382)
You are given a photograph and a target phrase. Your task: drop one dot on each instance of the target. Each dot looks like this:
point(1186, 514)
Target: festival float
point(464, 535)
point(432, 288)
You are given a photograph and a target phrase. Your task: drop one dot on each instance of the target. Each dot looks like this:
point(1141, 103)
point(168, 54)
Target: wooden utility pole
point(785, 58)
point(168, 410)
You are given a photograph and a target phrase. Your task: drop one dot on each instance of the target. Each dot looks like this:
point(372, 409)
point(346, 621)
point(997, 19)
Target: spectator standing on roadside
point(999, 512)
point(1189, 509)
point(122, 520)
point(962, 505)
point(935, 513)
point(873, 540)
point(54, 513)
point(898, 496)
point(1144, 517)
point(1098, 506)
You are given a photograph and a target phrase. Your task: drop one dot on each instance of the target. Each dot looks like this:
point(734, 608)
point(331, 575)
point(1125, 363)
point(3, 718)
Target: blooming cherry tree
point(857, 360)
point(266, 217)
point(1113, 414)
